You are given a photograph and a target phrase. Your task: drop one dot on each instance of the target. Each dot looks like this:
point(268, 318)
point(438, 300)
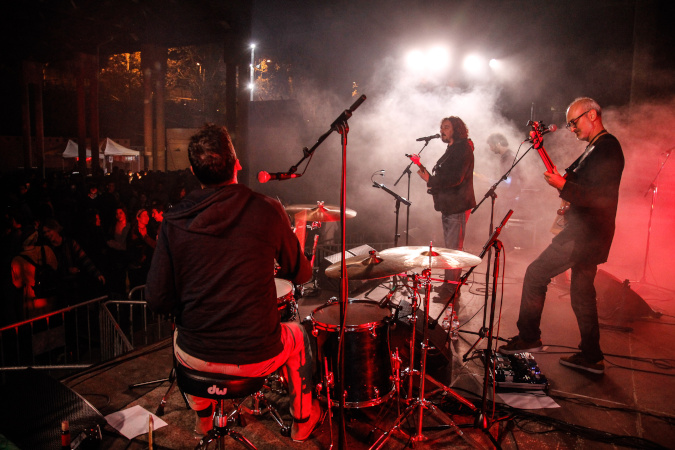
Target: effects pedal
point(517, 372)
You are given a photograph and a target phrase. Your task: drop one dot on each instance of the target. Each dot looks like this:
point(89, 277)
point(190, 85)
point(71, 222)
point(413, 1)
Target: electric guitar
point(538, 142)
point(416, 160)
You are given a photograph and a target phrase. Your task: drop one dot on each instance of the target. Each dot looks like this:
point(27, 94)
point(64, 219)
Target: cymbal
point(441, 258)
point(319, 212)
point(366, 267)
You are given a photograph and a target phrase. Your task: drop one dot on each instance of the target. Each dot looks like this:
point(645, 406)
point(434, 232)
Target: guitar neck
point(545, 158)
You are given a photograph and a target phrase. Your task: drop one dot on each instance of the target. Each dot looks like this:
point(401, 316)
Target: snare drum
point(368, 371)
point(286, 304)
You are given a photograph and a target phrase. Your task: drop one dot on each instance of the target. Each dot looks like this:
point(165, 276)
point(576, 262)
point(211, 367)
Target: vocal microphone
point(428, 138)
point(264, 177)
point(549, 129)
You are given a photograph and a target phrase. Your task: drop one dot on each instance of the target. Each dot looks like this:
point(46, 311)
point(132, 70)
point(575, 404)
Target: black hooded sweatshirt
point(214, 269)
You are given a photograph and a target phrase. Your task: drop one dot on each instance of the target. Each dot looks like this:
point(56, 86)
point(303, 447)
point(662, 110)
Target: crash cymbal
point(319, 212)
point(441, 258)
point(366, 267)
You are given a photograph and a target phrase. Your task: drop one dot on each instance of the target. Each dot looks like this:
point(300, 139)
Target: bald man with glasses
point(591, 186)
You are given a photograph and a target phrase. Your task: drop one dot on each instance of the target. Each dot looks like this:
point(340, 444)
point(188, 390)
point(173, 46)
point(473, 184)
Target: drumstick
point(151, 426)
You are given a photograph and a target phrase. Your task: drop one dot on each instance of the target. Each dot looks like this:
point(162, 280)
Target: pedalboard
point(516, 372)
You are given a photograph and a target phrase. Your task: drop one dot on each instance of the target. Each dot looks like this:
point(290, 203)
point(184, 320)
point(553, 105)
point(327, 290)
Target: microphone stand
point(482, 421)
point(342, 127)
point(399, 200)
point(653, 187)
point(492, 195)
point(407, 217)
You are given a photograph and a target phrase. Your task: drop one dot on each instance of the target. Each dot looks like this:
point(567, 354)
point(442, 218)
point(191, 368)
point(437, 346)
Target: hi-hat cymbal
point(366, 267)
point(441, 258)
point(319, 212)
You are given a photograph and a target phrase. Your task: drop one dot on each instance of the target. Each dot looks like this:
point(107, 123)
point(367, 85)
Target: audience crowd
point(80, 237)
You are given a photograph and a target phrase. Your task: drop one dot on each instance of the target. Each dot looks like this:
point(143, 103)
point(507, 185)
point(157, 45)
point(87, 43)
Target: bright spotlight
point(495, 64)
point(252, 46)
point(251, 86)
point(415, 60)
point(439, 58)
point(474, 64)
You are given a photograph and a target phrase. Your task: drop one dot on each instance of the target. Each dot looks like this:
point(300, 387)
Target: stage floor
point(632, 401)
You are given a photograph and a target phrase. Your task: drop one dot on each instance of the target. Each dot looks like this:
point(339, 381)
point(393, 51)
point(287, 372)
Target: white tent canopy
point(112, 148)
point(71, 151)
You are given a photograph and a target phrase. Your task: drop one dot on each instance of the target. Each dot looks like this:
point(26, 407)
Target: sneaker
point(578, 361)
point(303, 428)
point(518, 345)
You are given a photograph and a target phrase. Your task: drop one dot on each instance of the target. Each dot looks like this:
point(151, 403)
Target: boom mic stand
point(342, 127)
point(653, 187)
point(490, 193)
point(399, 200)
point(482, 421)
point(407, 218)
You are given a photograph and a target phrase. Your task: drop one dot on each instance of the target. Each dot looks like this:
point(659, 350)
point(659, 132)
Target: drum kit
point(375, 374)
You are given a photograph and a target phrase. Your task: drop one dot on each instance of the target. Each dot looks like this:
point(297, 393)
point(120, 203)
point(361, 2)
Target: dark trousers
point(553, 261)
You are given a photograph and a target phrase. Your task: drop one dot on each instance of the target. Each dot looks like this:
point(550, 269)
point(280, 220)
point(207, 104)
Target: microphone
point(264, 177)
point(549, 129)
point(428, 138)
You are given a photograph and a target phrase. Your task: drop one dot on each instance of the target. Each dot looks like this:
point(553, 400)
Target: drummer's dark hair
point(212, 155)
point(460, 132)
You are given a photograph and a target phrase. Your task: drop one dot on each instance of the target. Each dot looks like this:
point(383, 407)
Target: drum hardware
point(329, 381)
point(313, 290)
point(419, 404)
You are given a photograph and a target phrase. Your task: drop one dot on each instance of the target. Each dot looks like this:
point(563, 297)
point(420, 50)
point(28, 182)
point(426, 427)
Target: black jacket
point(451, 184)
point(214, 268)
point(592, 189)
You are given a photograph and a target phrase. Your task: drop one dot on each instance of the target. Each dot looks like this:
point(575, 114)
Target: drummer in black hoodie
point(214, 269)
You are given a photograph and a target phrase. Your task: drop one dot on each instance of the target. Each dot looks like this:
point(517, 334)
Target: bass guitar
point(538, 143)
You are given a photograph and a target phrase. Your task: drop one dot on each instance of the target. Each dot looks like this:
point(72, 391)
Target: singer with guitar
point(451, 185)
point(591, 186)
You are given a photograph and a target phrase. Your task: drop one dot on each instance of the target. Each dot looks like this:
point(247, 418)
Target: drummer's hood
point(210, 211)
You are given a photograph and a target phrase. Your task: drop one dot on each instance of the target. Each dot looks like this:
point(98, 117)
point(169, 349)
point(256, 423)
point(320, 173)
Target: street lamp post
point(252, 68)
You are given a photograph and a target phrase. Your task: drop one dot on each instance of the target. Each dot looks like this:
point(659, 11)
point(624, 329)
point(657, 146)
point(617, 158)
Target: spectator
point(117, 250)
point(140, 245)
point(23, 269)
point(73, 264)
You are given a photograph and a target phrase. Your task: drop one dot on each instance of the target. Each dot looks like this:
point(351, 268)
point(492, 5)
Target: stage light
point(439, 58)
point(474, 64)
point(415, 60)
point(495, 64)
point(435, 59)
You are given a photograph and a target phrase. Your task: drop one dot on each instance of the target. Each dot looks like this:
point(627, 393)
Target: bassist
point(592, 190)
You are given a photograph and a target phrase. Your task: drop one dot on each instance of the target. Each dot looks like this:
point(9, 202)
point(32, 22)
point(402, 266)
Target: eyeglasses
point(573, 122)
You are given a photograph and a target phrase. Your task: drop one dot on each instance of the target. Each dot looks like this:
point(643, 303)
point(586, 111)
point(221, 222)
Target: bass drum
point(368, 369)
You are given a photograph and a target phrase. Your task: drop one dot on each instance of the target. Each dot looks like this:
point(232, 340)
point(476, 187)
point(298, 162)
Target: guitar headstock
point(536, 134)
point(415, 159)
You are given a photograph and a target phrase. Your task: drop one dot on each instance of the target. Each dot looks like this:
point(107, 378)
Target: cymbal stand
point(313, 290)
point(419, 404)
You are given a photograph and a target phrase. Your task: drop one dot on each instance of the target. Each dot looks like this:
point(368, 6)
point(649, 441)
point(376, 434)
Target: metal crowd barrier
point(81, 335)
point(129, 324)
point(63, 339)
